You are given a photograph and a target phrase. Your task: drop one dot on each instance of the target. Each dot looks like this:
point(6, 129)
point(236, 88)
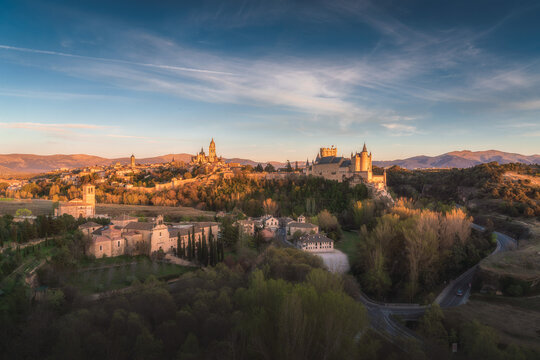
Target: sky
point(269, 80)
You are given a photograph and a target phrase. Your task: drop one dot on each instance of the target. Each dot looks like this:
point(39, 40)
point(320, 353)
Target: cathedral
point(357, 169)
point(212, 158)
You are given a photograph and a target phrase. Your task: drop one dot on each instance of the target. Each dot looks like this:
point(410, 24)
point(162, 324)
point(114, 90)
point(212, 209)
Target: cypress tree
point(211, 247)
point(189, 247)
point(204, 250)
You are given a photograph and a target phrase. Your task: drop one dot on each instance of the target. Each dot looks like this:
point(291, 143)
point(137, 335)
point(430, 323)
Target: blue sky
point(269, 80)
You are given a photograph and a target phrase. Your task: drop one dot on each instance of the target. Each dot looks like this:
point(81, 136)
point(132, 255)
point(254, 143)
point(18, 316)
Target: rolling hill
point(460, 159)
point(29, 163)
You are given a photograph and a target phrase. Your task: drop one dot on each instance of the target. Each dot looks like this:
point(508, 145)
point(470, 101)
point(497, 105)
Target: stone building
point(202, 159)
point(270, 222)
point(356, 169)
point(88, 228)
point(304, 228)
point(315, 243)
point(155, 233)
point(77, 207)
point(246, 226)
point(125, 237)
point(108, 242)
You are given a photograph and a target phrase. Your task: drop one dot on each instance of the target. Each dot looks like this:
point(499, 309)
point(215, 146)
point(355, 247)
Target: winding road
point(382, 316)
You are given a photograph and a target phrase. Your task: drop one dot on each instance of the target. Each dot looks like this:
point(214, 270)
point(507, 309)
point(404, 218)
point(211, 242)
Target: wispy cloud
point(409, 66)
point(111, 60)
point(45, 126)
point(527, 105)
point(69, 131)
point(52, 95)
point(397, 129)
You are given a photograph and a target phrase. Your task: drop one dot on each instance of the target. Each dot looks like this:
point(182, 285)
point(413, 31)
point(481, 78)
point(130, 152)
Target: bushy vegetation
point(409, 251)
point(43, 226)
point(474, 340)
point(223, 312)
point(485, 181)
point(286, 197)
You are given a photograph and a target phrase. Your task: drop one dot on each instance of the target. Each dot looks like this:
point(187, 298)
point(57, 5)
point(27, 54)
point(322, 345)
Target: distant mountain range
point(28, 163)
point(460, 159)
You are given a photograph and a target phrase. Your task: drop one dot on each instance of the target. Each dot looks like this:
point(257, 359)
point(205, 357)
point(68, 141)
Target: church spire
point(365, 148)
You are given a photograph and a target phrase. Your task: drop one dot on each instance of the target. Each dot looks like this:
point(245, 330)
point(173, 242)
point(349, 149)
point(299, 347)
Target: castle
point(77, 207)
point(212, 158)
point(357, 169)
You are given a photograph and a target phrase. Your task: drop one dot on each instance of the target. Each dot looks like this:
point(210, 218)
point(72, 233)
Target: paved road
point(382, 315)
point(448, 297)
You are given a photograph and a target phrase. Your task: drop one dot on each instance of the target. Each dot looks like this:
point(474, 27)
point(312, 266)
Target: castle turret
point(364, 159)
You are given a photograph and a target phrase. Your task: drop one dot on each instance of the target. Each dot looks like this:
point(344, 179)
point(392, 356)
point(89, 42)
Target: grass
point(121, 276)
point(45, 207)
point(150, 210)
point(515, 320)
point(348, 244)
point(38, 207)
point(6, 199)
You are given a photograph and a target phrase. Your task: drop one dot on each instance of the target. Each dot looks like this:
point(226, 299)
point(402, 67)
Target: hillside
point(460, 159)
point(30, 163)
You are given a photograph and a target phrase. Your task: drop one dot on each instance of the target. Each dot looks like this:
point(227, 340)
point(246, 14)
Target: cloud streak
point(118, 61)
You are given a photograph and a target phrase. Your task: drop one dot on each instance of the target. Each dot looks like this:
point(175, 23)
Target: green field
point(120, 273)
point(348, 244)
point(38, 207)
point(515, 319)
point(45, 207)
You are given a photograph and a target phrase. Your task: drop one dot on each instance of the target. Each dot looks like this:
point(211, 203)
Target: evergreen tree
point(190, 247)
point(288, 168)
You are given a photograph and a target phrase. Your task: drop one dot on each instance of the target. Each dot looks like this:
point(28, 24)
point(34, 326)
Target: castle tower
point(364, 159)
point(132, 160)
point(356, 162)
point(331, 151)
point(212, 151)
point(89, 194)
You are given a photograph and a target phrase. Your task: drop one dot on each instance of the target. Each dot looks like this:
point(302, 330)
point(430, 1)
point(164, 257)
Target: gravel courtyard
point(336, 261)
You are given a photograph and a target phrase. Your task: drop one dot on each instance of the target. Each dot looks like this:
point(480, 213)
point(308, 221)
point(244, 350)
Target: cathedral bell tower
point(212, 151)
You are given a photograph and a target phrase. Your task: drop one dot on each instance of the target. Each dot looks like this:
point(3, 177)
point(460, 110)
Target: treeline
point(485, 181)
point(41, 227)
point(219, 313)
point(294, 196)
point(407, 251)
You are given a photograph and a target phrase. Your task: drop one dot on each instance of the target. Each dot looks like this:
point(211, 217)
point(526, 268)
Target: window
point(100, 248)
point(118, 243)
point(160, 233)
